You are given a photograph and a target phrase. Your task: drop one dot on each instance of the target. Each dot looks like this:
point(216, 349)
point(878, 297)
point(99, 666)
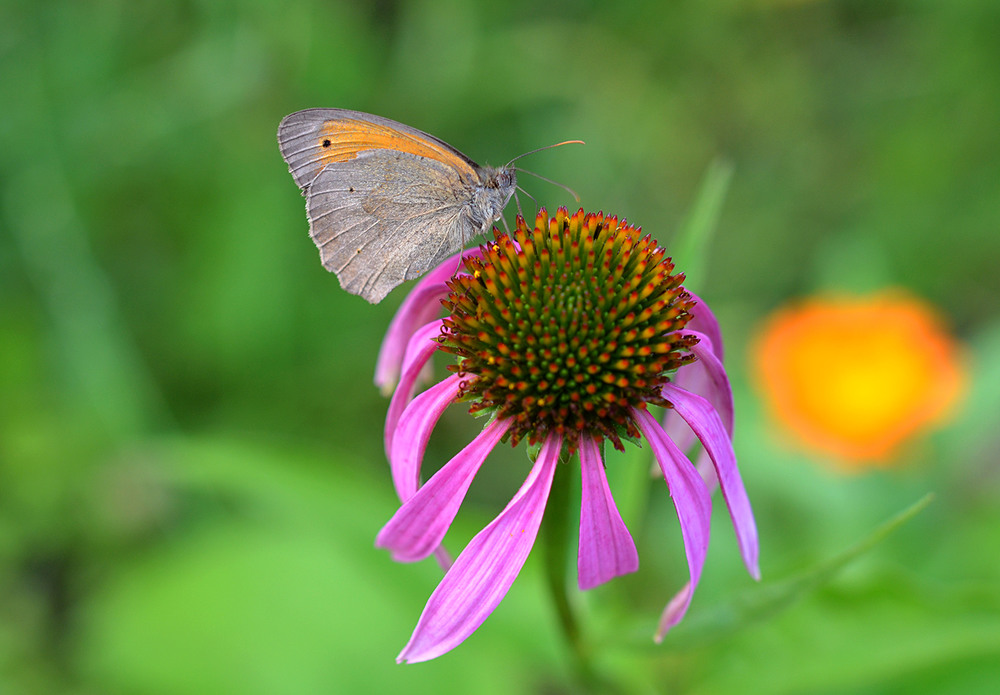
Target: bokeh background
point(191, 471)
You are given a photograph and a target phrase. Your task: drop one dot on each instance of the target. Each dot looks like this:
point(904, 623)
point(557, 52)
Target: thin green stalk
point(556, 539)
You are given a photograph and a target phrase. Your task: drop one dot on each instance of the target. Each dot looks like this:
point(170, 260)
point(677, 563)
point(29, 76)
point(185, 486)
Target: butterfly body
point(386, 202)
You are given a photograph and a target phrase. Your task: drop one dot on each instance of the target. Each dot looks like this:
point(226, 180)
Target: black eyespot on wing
point(327, 143)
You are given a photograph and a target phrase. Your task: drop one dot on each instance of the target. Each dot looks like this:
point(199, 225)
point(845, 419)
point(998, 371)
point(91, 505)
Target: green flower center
point(567, 327)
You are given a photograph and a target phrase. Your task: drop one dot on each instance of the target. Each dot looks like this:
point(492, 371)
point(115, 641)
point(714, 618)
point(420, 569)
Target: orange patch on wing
point(342, 140)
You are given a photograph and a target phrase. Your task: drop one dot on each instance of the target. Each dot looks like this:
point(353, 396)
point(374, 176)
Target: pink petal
point(693, 378)
point(705, 326)
point(484, 572)
point(421, 305)
point(708, 427)
point(707, 378)
point(674, 611)
point(694, 511)
point(417, 309)
point(606, 547)
point(676, 429)
point(418, 352)
point(414, 429)
point(443, 558)
point(419, 526)
point(704, 321)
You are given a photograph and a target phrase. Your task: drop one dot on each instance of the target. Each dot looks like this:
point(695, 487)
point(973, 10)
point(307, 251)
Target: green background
point(191, 467)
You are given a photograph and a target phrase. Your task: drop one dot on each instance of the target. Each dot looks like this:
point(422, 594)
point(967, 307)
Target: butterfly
point(386, 202)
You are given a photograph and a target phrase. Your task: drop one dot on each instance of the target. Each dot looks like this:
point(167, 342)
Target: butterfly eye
point(504, 178)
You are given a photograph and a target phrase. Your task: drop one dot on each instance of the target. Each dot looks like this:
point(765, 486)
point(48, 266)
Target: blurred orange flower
point(856, 377)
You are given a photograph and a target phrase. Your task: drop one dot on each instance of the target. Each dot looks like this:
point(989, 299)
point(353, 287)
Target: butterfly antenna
point(563, 186)
point(518, 188)
point(547, 147)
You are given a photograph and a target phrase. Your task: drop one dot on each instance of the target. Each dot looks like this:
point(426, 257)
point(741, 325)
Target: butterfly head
point(492, 195)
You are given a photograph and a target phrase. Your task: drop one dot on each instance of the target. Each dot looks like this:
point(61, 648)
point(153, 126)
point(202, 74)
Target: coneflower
point(564, 334)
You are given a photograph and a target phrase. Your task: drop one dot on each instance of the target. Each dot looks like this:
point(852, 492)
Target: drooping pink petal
point(712, 381)
point(414, 429)
point(418, 352)
point(483, 573)
point(703, 321)
point(694, 378)
point(675, 428)
point(421, 305)
point(708, 427)
point(694, 510)
point(674, 611)
point(419, 526)
point(606, 547)
point(416, 310)
point(707, 378)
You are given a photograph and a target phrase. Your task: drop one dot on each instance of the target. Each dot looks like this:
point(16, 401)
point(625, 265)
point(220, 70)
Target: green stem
point(556, 540)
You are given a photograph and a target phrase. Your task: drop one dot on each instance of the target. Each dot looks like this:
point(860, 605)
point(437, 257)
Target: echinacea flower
point(857, 377)
point(564, 334)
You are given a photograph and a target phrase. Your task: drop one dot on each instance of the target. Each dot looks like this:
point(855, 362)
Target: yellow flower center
point(568, 326)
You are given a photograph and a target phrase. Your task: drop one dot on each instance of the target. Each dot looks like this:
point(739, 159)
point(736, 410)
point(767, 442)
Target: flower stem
point(556, 540)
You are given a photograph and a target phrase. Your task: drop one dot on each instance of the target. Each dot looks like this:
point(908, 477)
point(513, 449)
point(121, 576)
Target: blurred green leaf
point(280, 590)
point(770, 598)
point(690, 247)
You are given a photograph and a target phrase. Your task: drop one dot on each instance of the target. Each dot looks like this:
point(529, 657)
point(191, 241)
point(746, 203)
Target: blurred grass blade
point(771, 599)
point(690, 248)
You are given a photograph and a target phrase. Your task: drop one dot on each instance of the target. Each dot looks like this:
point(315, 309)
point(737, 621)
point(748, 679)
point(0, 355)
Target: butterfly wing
point(386, 202)
point(386, 217)
point(313, 138)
